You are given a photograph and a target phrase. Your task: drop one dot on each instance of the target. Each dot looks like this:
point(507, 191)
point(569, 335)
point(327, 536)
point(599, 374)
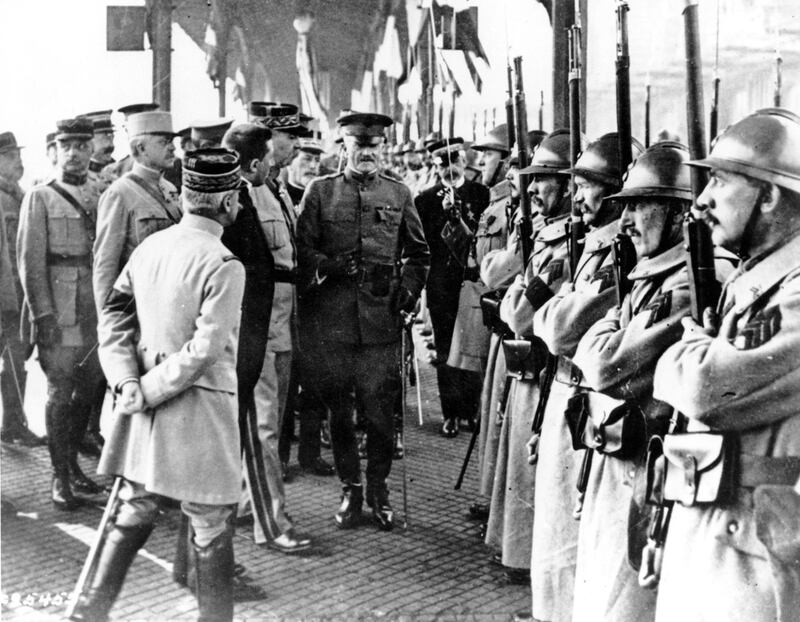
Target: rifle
point(510, 109)
point(713, 117)
point(647, 114)
point(576, 226)
point(541, 111)
point(90, 565)
point(704, 290)
point(623, 64)
point(521, 128)
point(778, 78)
point(624, 255)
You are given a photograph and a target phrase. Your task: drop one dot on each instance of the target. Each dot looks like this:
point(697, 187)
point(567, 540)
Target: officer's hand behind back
point(339, 265)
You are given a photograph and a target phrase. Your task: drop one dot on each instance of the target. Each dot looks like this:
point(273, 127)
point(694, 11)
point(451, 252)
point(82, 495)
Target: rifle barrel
point(623, 86)
point(521, 127)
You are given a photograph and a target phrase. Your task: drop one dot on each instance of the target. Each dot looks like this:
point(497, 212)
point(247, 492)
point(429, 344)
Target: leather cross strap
point(86, 216)
point(159, 198)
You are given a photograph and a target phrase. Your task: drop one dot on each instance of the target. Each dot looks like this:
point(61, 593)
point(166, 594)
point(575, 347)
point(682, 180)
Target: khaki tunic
point(511, 513)
point(126, 215)
point(182, 333)
point(561, 323)
point(744, 381)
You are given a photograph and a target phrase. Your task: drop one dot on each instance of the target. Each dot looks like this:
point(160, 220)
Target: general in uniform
point(168, 340)
point(735, 554)
point(54, 250)
point(363, 259)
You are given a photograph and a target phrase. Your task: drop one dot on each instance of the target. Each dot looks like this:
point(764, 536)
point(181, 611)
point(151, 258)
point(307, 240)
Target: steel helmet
point(658, 172)
point(534, 138)
point(496, 139)
point(600, 160)
point(764, 145)
point(551, 157)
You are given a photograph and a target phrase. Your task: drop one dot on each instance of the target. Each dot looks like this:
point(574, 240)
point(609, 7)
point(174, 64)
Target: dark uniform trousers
point(372, 371)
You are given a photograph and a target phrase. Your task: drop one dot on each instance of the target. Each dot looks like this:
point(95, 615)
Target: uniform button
point(733, 527)
point(598, 438)
point(632, 473)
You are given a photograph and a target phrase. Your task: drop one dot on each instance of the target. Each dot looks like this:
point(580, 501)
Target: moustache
point(108, 150)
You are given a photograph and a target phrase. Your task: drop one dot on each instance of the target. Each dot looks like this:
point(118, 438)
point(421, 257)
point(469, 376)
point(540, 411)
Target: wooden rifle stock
point(521, 128)
point(623, 64)
point(624, 256)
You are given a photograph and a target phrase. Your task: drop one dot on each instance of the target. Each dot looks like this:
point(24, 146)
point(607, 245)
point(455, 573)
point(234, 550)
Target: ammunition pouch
point(605, 424)
point(525, 358)
point(457, 237)
point(490, 310)
point(698, 467)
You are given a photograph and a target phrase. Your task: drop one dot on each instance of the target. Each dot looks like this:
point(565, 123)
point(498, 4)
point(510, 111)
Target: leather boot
point(78, 421)
point(56, 418)
point(118, 552)
point(349, 513)
point(214, 564)
point(382, 512)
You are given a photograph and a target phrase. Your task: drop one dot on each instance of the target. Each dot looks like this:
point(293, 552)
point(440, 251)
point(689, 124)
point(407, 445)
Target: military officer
point(733, 555)
point(363, 256)
point(208, 133)
point(123, 165)
point(304, 168)
point(511, 511)
point(102, 146)
point(560, 323)
point(617, 357)
point(54, 250)
point(137, 204)
point(168, 340)
point(449, 210)
point(12, 376)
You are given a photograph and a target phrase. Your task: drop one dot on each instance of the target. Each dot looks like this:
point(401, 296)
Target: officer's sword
point(90, 565)
point(407, 319)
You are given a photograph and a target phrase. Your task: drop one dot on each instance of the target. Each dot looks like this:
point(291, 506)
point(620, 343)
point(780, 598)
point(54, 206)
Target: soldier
point(560, 323)
point(119, 168)
point(12, 376)
point(304, 168)
point(732, 554)
point(137, 204)
point(450, 212)
point(51, 152)
point(102, 146)
point(168, 339)
point(363, 254)
point(617, 357)
point(497, 252)
point(511, 511)
point(412, 161)
point(54, 250)
point(493, 151)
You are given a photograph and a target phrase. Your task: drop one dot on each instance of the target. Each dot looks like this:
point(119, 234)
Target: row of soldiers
point(637, 464)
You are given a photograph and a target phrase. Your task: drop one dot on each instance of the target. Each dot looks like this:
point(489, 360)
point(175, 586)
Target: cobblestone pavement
point(437, 568)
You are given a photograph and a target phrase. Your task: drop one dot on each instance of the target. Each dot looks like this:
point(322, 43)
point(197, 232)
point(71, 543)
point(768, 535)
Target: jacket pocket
point(66, 235)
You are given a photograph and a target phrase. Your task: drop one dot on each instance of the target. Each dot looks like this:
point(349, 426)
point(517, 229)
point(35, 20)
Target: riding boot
point(382, 512)
point(56, 417)
point(118, 552)
point(214, 564)
point(79, 419)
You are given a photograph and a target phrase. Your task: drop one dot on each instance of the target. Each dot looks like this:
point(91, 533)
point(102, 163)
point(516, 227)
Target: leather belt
point(77, 261)
point(767, 470)
point(569, 374)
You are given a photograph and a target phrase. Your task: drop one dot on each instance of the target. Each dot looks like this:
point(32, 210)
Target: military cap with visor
point(8, 142)
point(659, 172)
point(365, 127)
point(764, 145)
point(209, 129)
point(101, 121)
point(211, 170)
point(446, 150)
point(137, 108)
point(601, 161)
point(77, 128)
point(156, 122)
point(279, 117)
point(311, 144)
point(496, 139)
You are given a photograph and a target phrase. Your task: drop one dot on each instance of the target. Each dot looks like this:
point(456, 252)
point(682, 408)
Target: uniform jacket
point(173, 321)
point(54, 248)
point(8, 288)
point(245, 238)
point(127, 214)
point(550, 262)
point(279, 221)
point(10, 199)
point(493, 227)
point(375, 217)
point(744, 381)
point(117, 169)
point(446, 272)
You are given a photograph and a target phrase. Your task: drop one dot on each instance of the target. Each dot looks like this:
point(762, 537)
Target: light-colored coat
point(561, 323)
point(745, 380)
point(181, 292)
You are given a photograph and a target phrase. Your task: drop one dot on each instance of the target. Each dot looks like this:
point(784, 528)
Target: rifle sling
point(86, 216)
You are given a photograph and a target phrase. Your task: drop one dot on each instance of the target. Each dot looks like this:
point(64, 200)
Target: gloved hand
point(48, 332)
point(338, 265)
point(404, 301)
